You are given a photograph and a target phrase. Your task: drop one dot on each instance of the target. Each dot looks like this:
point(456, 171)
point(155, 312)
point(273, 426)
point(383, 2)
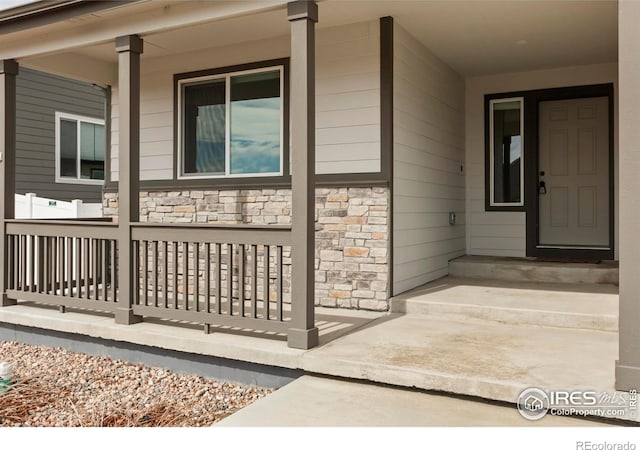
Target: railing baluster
point(174, 257)
point(70, 266)
point(185, 275)
point(87, 268)
point(96, 269)
point(56, 265)
point(15, 262)
point(23, 262)
point(50, 274)
point(154, 270)
point(230, 278)
point(10, 258)
point(207, 277)
point(165, 275)
point(78, 267)
point(138, 275)
point(61, 264)
point(145, 272)
point(114, 275)
point(218, 278)
point(104, 262)
point(196, 275)
point(266, 282)
point(254, 281)
point(32, 263)
point(51, 259)
point(279, 283)
point(241, 274)
point(42, 264)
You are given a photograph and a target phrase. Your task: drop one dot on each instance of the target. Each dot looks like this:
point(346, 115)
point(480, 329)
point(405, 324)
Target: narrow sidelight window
point(232, 124)
point(80, 149)
point(506, 152)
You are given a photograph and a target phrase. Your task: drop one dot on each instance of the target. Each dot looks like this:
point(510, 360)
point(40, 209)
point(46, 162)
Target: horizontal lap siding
point(39, 96)
point(499, 233)
point(428, 152)
point(347, 99)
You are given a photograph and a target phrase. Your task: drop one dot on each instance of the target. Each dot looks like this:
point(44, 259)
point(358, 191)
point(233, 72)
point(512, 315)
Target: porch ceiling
point(475, 37)
point(480, 37)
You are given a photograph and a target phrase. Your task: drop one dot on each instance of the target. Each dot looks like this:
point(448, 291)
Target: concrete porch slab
point(323, 402)
point(483, 359)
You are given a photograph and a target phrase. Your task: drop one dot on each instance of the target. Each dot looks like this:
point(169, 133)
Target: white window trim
point(67, 180)
point(491, 150)
point(227, 77)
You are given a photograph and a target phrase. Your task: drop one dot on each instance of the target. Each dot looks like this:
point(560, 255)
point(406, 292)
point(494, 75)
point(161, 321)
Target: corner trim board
point(386, 128)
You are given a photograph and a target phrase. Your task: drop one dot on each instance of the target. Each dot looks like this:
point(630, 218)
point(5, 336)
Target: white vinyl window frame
point(227, 134)
point(492, 201)
point(79, 119)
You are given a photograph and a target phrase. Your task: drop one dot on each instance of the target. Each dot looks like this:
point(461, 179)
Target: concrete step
point(578, 306)
point(522, 269)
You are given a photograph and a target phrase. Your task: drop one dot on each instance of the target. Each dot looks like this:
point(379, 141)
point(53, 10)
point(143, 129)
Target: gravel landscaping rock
point(56, 387)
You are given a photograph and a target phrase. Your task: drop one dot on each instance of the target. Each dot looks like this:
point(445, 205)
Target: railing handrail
point(102, 222)
point(233, 226)
point(72, 229)
point(203, 233)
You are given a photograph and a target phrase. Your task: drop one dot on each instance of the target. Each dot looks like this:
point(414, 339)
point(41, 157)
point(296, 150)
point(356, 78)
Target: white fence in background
point(30, 206)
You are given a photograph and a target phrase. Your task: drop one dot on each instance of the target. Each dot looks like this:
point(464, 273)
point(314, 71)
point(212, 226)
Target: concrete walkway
point(321, 402)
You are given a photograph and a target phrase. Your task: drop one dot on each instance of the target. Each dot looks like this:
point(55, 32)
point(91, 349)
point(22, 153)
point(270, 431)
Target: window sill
point(502, 208)
point(80, 182)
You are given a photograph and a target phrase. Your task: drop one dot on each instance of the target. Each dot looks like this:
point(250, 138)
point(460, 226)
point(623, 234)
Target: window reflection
point(507, 151)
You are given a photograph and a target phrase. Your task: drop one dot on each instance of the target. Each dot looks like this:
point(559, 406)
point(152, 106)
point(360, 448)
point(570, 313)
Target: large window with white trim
point(231, 125)
point(80, 149)
point(506, 152)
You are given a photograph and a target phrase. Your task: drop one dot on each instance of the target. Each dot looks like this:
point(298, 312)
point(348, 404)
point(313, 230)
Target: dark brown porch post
point(303, 16)
point(129, 49)
point(8, 72)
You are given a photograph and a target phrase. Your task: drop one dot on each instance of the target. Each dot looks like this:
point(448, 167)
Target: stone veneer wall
point(352, 232)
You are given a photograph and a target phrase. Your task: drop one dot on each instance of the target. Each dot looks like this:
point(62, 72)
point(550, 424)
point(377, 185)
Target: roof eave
point(44, 12)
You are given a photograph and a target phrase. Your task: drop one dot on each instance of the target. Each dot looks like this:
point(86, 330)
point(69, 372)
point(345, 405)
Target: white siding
point(428, 155)
point(504, 233)
point(347, 98)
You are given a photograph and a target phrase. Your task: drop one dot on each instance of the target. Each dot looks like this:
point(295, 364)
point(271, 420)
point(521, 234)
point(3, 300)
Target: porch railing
point(234, 275)
point(214, 275)
point(63, 263)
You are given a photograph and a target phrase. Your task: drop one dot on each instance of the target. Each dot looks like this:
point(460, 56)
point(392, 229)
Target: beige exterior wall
point(504, 233)
point(347, 98)
point(628, 364)
point(428, 155)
